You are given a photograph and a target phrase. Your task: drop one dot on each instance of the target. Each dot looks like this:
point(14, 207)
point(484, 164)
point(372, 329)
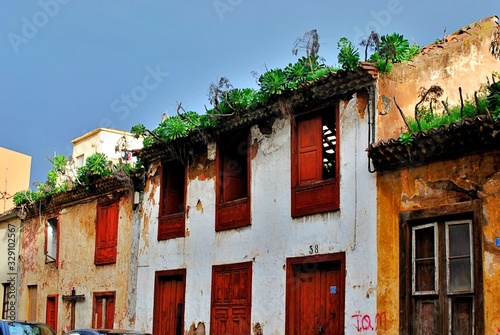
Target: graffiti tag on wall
point(365, 322)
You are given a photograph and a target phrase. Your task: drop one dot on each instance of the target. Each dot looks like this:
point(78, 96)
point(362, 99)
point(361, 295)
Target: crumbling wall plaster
point(469, 178)
point(273, 235)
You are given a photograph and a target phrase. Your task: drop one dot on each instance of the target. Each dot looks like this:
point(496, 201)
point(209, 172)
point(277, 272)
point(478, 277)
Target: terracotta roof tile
point(457, 139)
point(323, 89)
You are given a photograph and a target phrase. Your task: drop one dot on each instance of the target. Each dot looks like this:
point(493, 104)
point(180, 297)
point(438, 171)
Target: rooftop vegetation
point(226, 100)
point(428, 115)
point(64, 176)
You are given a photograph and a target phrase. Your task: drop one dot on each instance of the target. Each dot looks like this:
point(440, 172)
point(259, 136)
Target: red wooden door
point(51, 317)
point(168, 313)
point(315, 297)
point(231, 299)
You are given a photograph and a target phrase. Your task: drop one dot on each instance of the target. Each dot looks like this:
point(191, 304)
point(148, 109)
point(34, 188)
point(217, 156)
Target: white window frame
point(471, 255)
point(52, 231)
point(436, 254)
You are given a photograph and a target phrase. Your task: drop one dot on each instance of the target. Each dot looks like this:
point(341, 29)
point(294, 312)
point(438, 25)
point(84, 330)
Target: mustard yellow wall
point(464, 61)
point(415, 188)
point(15, 170)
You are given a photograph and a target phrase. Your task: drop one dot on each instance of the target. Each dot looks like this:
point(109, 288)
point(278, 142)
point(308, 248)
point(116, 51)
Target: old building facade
point(278, 222)
point(437, 220)
point(268, 228)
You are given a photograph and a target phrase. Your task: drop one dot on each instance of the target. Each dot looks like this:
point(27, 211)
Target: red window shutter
point(309, 150)
point(110, 312)
point(171, 221)
point(98, 314)
point(106, 233)
point(234, 169)
point(173, 188)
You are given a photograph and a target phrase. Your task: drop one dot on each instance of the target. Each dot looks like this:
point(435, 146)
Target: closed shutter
point(309, 150)
point(106, 233)
point(171, 221)
point(314, 160)
point(173, 188)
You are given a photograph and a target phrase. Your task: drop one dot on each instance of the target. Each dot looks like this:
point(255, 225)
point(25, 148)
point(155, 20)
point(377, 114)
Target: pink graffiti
point(367, 322)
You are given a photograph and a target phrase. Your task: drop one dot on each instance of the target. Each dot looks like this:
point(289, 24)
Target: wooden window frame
point(171, 225)
point(436, 256)
point(46, 247)
point(234, 213)
point(470, 210)
point(95, 298)
point(106, 253)
point(322, 195)
point(449, 291)
point(5, 300)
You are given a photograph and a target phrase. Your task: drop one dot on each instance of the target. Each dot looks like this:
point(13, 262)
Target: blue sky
point(70, 66)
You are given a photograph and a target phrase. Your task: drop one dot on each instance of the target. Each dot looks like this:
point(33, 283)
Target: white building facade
point(288, 251)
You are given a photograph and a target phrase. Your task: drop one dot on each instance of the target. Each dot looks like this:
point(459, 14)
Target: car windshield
point(19, 328)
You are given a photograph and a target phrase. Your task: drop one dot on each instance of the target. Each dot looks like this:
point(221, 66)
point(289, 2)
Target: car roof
point(23, 321)
point(93, 331)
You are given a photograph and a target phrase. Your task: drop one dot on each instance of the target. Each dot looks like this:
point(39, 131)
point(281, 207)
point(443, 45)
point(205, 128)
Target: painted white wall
point(103, 140)
point(273, 235)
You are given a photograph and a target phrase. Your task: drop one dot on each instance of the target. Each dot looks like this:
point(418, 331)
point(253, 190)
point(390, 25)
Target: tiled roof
point(445, 142)
point(101, 187)
point(321, 90)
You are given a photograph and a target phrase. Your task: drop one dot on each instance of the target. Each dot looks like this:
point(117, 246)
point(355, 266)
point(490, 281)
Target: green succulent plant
point(406, 139)
point(273, 82)
point(348, 56)
point(493, 98)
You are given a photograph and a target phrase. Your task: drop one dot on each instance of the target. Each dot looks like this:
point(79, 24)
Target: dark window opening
point(171, 221)
point(233, 181)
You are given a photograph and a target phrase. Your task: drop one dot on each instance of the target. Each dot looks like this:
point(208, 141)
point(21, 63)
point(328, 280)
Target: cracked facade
point(277, 224)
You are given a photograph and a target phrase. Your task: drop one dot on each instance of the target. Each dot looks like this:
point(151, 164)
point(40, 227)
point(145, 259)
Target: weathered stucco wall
point(77, 232)
point(9, 244)
point(273, 235)
point(465, 60)
point(426, 187)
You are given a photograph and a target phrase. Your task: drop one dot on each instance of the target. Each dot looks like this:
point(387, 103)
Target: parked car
point(9, 327)
point(92, 331)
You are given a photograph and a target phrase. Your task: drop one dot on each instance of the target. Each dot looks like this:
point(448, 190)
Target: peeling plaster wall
point(273, 235)
point(425, 187)
point(9, 244)
point(466, 62)
point(76, 266)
